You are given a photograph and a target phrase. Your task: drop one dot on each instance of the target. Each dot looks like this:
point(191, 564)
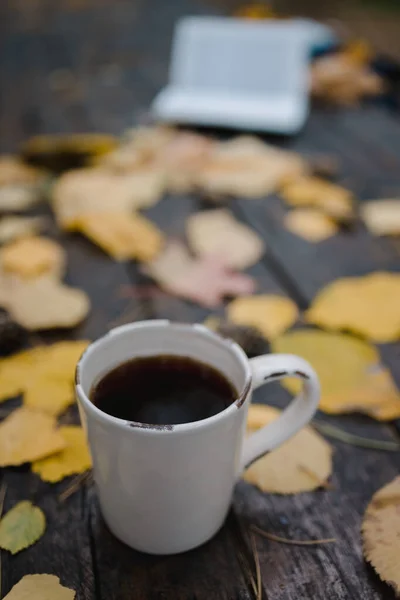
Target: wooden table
point(77, 66)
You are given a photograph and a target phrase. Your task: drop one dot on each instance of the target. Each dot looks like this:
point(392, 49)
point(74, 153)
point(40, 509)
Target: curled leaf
point(21, 527)
point(61, 152)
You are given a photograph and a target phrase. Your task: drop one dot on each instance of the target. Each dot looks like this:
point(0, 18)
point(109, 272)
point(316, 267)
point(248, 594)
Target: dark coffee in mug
point(163, 390)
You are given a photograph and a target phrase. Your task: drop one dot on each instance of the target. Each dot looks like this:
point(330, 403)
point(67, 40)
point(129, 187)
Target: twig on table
point(355, 440)
point(247, 571)
point(257, 566)
point(277, 538)
point(75, 484)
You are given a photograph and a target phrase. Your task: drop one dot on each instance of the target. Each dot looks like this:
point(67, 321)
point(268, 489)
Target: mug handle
point(300, 411)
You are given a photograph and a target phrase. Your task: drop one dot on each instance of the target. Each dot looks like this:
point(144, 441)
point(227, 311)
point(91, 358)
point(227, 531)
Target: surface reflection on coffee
point(163, 390)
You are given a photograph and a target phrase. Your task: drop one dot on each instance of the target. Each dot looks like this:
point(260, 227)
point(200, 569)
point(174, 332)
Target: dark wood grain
point(80, 65)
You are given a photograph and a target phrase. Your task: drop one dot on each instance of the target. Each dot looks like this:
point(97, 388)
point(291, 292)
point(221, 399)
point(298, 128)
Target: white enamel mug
point(167, 489)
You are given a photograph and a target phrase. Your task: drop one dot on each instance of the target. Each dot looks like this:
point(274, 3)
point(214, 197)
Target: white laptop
point(236, 73)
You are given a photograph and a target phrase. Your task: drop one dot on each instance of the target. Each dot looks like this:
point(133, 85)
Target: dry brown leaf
point(27, 435)
point(98, 190)
point(334, 200)
point(40, 587)
point(301, 464)
point(61, 152)
point(178, 154)
point(247, 167)
point(12, 228)
point(44, 303)
point(310, 224)
point(205, 281)
point(30, 257)
point(218, 233)
point(182, 158)
point(382, 217)
point(139, 148)
point(381, 533)
point(343, 78)
point(368, 305)
point(375, 395)
point(348, 370)
point(268, 313)
point(123, 236)
point(75, 457)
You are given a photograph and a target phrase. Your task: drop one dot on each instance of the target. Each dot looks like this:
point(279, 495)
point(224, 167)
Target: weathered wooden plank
point(87, 42)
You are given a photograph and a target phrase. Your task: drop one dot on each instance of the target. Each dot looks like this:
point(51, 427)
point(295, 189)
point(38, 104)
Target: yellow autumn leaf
point(21, 527)
point(349, 372)
point(301, 464)
point(73, 459)
point(310, 224)
point(368, 306)
point(60, 359)
point(123, 236)
point(333, 199)
point(40, 587)
point(33, 256)
point(52, 396)
point(28, 435)
point(376, 395)
point(268, 313)
point(381, 533)
point(16, 370)
point(382, 217)
point(45, 364)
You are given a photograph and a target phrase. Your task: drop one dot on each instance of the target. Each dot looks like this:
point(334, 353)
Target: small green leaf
point(21, 527)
